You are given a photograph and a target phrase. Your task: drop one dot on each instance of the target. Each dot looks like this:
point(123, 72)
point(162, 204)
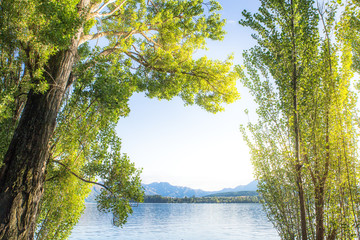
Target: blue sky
point(188, 146)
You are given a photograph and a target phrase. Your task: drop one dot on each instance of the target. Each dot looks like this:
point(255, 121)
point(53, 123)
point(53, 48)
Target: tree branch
point(89, 37)
point(150, 40)
point(83, 179)
point(154, 5)
point(202, 75)
point(102, 6)
point(97, 12)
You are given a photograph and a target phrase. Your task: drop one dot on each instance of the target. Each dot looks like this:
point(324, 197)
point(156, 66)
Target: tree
point(349, 28)
point(304, 144)
point(57, 83)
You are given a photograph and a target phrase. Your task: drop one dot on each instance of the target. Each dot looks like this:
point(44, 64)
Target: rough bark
point(22, 177)
point(23, 174)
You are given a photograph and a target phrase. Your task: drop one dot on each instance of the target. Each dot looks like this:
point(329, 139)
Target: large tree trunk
point(23, 174)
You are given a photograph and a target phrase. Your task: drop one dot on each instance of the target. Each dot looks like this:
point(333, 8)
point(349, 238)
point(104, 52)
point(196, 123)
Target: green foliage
point(141, 46)
point(152, 49)
point(122, 181)
point(85, 143)
point(59, 21)
point(295, 72)
point(62, 205)
point(349, 29)
point(30, 32)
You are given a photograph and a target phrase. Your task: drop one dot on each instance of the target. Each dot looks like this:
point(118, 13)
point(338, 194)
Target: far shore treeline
point(238, 197)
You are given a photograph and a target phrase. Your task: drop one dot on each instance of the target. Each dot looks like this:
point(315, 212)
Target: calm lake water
point(179, 222)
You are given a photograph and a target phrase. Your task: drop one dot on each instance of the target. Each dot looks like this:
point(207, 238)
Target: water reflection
point(179, 222)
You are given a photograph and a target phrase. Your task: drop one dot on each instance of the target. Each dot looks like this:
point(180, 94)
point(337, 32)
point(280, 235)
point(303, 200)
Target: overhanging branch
point(83, 179)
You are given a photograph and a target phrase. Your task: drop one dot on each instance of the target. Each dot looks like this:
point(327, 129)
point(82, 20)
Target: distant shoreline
point(212, 199)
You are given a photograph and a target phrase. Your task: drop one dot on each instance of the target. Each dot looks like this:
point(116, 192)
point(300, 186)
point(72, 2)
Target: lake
point(156, 221)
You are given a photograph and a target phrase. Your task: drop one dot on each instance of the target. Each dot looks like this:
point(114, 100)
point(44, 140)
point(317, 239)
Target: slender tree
point(304, 144)
point(51, 63)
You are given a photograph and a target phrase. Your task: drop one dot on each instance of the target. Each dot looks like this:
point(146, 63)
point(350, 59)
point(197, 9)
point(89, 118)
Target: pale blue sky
point(188, 146)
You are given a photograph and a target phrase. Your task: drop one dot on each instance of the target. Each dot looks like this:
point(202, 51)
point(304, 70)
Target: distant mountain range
point(165, 189)
point(235, 194)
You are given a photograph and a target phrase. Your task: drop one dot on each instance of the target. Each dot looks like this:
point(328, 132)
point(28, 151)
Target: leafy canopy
point(124, 46)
